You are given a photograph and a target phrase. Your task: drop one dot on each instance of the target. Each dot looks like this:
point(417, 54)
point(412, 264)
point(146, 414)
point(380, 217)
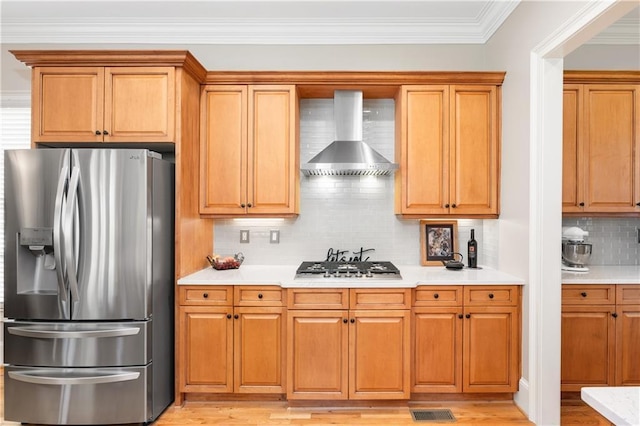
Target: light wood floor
point(573, 413)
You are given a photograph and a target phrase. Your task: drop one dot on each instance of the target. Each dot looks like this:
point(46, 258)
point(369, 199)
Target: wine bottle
point(472, 251)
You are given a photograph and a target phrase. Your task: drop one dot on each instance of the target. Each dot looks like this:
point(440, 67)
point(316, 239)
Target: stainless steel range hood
point(348, 154)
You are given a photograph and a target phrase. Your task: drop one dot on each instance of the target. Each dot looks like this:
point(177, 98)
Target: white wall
point(603, 57)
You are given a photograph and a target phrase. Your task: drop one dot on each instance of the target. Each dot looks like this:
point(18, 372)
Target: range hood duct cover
point(348, 154)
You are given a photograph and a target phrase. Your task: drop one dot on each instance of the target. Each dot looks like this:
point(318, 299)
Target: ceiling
point(179, 24)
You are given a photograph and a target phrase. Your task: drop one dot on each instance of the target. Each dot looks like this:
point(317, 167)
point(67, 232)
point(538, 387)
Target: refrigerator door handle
point(70, 258)
point(53, 334)
point(57, 232)
point(78, 380)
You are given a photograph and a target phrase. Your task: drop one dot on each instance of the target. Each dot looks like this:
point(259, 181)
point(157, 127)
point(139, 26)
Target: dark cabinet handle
point(229, 316)
point(614, 315)
point(344, 320)
point(581, 204)
point(490, 295)
point(236, 316)
point(243, 205)
point(446, 206)
point(583, 294)
point(104, 132)
point(460, 316)
point(205, 295)
point(453, 205)
point(98, 133)
point(260, 296)
point(638, 204)
point(435, 296)
point(249, 205)
point(352, 321)
point(468, 316)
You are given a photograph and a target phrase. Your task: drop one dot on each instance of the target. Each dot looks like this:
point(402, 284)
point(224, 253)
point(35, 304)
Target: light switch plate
point(274, 237)
point(244, 235)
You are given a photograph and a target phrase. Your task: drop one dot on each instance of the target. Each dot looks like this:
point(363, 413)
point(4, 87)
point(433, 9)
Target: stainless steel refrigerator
point(89, 293)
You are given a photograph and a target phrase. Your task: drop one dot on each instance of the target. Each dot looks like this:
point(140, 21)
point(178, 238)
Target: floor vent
point(432, 416)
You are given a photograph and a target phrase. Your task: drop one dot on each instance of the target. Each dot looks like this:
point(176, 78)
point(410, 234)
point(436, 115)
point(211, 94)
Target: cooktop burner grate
point(366, 269)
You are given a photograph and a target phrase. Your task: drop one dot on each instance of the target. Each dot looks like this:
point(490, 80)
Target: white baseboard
point(521, 398)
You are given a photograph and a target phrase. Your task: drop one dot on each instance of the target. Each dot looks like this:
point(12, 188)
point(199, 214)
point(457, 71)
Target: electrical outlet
point(274, 237)
point(244, 235)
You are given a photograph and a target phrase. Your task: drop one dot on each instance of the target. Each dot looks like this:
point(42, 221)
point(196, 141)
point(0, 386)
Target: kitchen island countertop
point(619, 404)
point(604, 274)
point(412, 276)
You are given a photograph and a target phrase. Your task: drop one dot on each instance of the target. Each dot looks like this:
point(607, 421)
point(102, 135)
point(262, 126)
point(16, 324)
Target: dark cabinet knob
point(236, 316)
point(638, 204)
point(344, 320)
point(446, 206)
point(614, 315)
point(98, 133)
point(205, 295)
point(453, 205)
point(249, 205)
point(243, 205)
point(490, 295)
point(260, 296)
point(583, 294)
point(460, 316)
point(581, 204)
point(229, 316)
point(468, 316)
point(104, 132)
point(435, 296)
point(352, 321)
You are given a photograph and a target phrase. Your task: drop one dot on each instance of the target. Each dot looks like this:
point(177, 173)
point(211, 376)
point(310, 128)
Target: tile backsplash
point(340, 212)
point(614, 240)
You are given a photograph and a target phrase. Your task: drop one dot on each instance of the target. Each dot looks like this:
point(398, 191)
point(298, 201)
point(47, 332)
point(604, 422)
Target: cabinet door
point(611, 147)
point(206, 348)
point(317, 348)
point(490, 349)
point(379, 354)
point(67, 104)
point(423, 177)
point(628, 345)
point(473, 152)
point(223, 150)
point(259, 350)
point(139, 104)
point(587, 348)
point(273, 150)
point(572, 137)
point(437, 350)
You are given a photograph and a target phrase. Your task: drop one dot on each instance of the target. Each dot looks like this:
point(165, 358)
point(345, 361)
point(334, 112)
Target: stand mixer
point(575, 252)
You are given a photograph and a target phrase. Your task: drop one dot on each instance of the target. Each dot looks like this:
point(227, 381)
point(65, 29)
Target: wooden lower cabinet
point(231, 349)
point(348, 354)
point(600, 336)
point(466, 339)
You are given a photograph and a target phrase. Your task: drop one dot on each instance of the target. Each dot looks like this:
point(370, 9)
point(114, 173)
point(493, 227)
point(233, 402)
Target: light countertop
point(620, 405)
point(604, 275)
point(412, 276)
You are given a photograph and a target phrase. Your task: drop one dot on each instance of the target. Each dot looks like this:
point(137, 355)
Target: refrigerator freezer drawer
point(74, 396)
point(77, 344)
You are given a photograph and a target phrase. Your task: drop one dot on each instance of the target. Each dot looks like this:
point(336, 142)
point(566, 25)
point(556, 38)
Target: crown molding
point(626, 31)
point(287, 31)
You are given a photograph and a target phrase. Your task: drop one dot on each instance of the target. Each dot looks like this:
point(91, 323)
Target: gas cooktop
point(351, 270)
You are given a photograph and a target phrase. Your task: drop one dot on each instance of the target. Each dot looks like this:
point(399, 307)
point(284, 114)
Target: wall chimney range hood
point(348, 155)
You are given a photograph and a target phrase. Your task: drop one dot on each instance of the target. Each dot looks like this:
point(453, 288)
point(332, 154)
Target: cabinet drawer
point(507, 295)
point(588, 294)
point(437, 296)
point(206, 295)
point(326, 298)
point(383, 298)
point(258, 296)
point(628, 294)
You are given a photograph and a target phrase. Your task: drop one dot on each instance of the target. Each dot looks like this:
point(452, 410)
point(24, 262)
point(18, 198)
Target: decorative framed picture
point(437, 241)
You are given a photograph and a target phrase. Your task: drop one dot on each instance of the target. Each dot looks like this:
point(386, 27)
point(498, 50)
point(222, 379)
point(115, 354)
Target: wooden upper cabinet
point(249, 151)
point(601, 151)
point(103, 104)
point(448, 146)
